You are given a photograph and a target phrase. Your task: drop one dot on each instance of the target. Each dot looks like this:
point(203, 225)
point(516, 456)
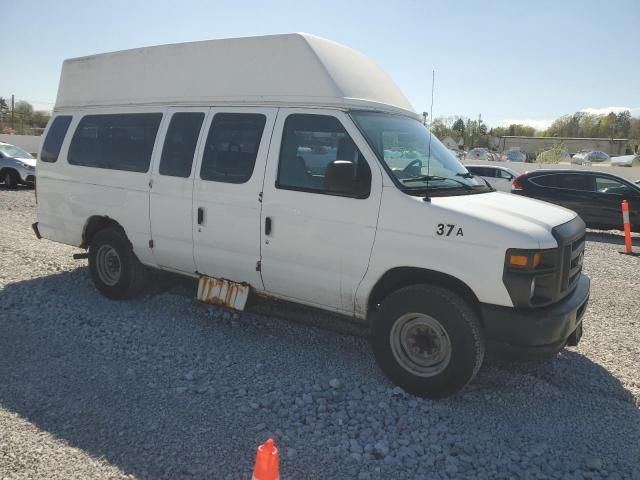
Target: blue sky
point(509, 60)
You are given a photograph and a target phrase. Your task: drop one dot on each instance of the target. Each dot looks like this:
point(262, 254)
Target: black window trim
point(316, 190)
point(550, 174)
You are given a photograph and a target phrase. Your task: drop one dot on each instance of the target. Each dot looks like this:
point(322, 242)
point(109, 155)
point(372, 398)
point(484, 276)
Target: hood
point(533, 218)
point(29, 161)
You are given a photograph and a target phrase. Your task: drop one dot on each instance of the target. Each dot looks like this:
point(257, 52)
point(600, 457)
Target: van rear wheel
point(427, 340)
point(114, 268)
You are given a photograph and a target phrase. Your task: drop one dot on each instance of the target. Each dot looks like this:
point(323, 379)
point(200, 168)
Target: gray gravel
point(163, 387)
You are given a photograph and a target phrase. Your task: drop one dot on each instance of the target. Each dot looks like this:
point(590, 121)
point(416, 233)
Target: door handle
point(267, 226)
point(200, 215)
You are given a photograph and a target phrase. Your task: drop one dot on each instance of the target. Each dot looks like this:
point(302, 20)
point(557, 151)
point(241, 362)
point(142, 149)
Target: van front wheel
point(427, 340)
point(114, 268)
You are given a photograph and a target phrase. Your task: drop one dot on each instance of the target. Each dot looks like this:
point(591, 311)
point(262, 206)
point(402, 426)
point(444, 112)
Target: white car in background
point(500, 178)
point(589, 157)
point(625, 161)
point(16, 166)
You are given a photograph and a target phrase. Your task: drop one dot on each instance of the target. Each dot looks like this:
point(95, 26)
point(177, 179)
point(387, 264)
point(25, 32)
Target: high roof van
point(293, 167)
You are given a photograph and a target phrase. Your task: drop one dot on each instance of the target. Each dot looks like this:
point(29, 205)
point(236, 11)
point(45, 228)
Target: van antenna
point(433, 81)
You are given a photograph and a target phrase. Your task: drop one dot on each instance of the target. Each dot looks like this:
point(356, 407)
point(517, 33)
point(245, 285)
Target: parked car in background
point(589, 157)
point(595, 196)
point(500, 178)
point(625, 161)
point(17, 167)
point(478, 153)
point(514, 156)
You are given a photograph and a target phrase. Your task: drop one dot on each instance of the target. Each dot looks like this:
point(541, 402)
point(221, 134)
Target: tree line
point(475, 133)
point(24, 120)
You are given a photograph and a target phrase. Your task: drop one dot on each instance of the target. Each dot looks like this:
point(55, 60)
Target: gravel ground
point(163, 387)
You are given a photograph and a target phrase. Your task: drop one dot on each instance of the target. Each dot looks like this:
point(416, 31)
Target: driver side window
point(317, 155)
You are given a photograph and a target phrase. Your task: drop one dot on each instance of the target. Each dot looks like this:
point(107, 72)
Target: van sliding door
point(226, 196)
point(172, 189)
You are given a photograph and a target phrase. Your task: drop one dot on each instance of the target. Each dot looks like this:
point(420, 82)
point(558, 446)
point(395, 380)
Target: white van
point(293, 167)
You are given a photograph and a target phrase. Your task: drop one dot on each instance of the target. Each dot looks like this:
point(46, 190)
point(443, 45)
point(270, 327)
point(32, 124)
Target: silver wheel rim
point(108, 265)
point(420, 344)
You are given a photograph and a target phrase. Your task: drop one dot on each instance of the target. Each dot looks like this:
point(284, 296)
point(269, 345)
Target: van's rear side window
point(115, 141)
point(55, 137)
point(180, 144)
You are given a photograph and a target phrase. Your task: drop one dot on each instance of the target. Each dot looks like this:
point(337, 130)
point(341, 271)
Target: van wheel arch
point(94, 224)
point(401, 277)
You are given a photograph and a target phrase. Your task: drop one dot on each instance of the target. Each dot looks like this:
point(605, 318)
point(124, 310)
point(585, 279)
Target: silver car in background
point(17, 167)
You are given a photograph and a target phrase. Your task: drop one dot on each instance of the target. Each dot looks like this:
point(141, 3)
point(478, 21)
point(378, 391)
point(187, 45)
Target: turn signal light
point(525, 260)
point(519, 260)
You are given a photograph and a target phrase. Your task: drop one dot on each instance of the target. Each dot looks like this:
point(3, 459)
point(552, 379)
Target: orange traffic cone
point(267, 462)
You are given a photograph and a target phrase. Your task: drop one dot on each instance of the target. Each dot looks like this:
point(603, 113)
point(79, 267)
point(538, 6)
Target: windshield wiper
point(465, 175)
point(471, 175)
point(427, 178)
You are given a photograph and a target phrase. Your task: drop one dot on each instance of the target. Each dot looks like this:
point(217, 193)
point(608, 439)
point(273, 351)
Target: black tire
point(11, 179)
point(424, 316)
point(108, 247)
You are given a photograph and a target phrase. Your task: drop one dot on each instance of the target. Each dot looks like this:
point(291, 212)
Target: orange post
point(627, 227)
point(267, 462)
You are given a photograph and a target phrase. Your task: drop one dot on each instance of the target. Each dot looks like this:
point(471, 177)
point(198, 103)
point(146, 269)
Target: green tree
point(4, 108)
point(40, 118)
point(458, 126)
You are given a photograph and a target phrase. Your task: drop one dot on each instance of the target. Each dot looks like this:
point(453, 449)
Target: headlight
point(529, 276)
point(26, 165)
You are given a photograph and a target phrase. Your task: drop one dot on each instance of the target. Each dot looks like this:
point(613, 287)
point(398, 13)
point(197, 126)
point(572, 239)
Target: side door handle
point(267, 226)
point(200, 215)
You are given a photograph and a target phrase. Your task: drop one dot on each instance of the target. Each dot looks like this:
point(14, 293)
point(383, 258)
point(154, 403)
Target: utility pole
point(12, 105)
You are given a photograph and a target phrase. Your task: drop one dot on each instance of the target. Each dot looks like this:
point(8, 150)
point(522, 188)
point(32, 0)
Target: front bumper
point(27, 175)
point(543, 330)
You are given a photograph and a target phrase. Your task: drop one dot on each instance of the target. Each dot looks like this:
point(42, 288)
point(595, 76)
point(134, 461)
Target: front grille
point(571, 242)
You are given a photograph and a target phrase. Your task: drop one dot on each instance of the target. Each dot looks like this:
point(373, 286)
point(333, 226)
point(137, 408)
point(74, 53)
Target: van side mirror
point(341, 178)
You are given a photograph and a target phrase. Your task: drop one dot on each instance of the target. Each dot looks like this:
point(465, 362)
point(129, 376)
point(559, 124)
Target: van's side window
point(55, 137)
point(232, 147)
point(180, 144)
point(115, 141)
point(318, 155)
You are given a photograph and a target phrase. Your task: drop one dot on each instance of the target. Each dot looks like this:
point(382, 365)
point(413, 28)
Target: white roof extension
point(288, 69)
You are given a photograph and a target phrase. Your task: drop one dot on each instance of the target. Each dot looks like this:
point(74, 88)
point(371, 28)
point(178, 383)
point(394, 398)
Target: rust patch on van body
point(223, 292)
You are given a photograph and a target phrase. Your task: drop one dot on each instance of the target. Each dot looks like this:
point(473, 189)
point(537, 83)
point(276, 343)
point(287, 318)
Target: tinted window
point(503, 174)
point(609, 185)
point(478, 171)
point(232, 147)
point(117, 142)
point(573, 181)
point(180, 144)
point(55, 137)
point(318, 155)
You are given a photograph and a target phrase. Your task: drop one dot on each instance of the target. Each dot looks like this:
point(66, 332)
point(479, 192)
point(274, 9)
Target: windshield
point(417, 159)
point(14, 152)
